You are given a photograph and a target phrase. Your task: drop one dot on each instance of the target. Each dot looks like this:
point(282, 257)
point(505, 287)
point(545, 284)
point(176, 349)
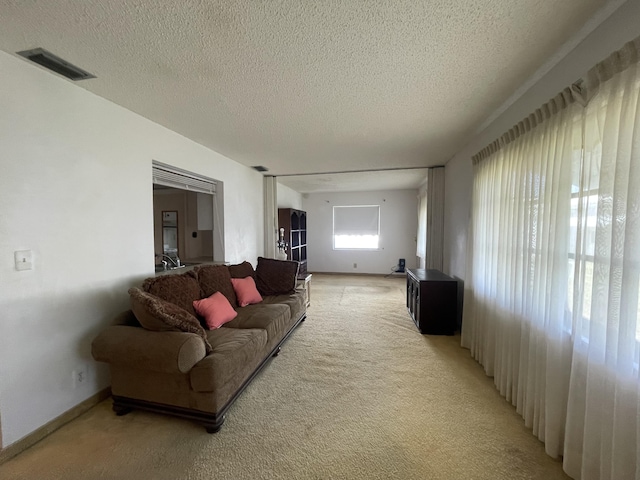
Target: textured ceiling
point(305, 86)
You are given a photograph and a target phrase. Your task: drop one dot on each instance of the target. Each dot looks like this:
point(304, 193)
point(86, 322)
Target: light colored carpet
point(357, 393)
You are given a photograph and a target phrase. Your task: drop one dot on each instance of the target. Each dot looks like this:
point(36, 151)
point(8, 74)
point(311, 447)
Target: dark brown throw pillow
point(181, 290)
point(276, 277)
point(242, 270)
point(216, 278)
point(158, 315)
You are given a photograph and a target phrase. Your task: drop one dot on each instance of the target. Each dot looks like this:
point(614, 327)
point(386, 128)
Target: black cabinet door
point(432, 300)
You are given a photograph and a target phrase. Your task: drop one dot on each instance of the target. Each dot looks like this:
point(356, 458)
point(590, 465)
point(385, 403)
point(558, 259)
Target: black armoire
point(294, 223)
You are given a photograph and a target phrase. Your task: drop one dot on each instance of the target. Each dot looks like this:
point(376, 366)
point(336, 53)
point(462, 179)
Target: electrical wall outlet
point(79, 376)
point(355, 265)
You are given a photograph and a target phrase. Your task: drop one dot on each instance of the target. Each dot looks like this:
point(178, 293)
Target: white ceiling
point(306, 86)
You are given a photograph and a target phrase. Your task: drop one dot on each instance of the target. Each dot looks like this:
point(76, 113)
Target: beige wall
point(76, 190)
point(398, 227)
point(288, 198)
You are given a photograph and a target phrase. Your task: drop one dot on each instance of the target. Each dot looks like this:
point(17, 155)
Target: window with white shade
point(356, 227)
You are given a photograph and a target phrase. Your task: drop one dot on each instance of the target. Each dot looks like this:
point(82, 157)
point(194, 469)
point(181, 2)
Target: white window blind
point(356, 220)
point(176, 178)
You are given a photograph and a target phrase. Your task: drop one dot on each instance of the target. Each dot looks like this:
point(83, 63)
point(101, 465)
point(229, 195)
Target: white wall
point(76, 189)
point(622, 26)
point(398, 228)
point(288, 198)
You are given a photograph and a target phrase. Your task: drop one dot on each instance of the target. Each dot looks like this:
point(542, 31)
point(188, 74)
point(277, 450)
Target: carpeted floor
point(357, 393)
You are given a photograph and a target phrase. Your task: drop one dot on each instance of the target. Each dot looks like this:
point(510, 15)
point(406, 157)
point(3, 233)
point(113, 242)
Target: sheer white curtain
point(270, 215)
point(603, 427)
point(430, 237)
point(421, 237)
point(514, 319)
point(435, 218)
point(551, 301)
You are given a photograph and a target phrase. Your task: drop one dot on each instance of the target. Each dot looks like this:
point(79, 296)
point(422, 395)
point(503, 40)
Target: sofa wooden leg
point(121, 410)
point(277, 352)
point(214, 427)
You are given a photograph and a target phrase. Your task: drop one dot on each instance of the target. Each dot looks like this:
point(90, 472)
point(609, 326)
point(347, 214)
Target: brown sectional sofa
point(197, 373)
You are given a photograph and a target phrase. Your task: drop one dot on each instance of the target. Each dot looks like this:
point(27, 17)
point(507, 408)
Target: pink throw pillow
point(216, 310)
point(246, 291)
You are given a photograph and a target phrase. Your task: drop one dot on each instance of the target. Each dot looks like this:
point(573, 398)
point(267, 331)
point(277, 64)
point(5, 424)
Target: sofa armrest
point(168, 352)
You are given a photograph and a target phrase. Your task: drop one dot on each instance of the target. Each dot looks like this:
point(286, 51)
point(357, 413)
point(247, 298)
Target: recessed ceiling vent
point(260, 168)
point(55, 63)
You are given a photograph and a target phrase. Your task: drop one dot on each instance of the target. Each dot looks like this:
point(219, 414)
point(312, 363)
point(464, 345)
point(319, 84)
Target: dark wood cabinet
point(432, 299)
point(294, 223)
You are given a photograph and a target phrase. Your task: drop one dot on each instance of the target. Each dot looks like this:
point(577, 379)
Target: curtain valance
point(549, 109)
point(581, 91)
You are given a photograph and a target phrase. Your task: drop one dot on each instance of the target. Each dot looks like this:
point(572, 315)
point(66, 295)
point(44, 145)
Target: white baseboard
point(34, 437)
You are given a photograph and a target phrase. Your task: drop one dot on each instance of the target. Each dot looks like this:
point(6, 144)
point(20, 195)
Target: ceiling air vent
point(55, 63)
point(260, 168)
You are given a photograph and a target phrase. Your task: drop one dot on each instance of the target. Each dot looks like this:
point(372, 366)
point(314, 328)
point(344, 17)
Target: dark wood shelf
point(294, 223)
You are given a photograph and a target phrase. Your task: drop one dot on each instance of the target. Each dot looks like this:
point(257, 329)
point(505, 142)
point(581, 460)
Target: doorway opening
point(188, 217)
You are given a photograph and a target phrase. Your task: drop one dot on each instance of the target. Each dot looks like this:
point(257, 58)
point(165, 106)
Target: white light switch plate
point(23, 260)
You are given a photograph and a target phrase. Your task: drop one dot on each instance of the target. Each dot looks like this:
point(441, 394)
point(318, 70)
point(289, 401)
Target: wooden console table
point(432, 300)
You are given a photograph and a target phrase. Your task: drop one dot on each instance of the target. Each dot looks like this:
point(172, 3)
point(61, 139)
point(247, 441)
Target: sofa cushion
point(246, 291)
point(180, 290)
point(215, 278)
point(242, 270)
point(216, 310)
point(275, 319)
point(157, 314)
point(295, 301)
point(276, 277)
point(236, 352)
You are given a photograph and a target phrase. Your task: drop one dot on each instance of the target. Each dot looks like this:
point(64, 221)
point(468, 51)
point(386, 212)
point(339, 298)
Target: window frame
point(333, 229)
